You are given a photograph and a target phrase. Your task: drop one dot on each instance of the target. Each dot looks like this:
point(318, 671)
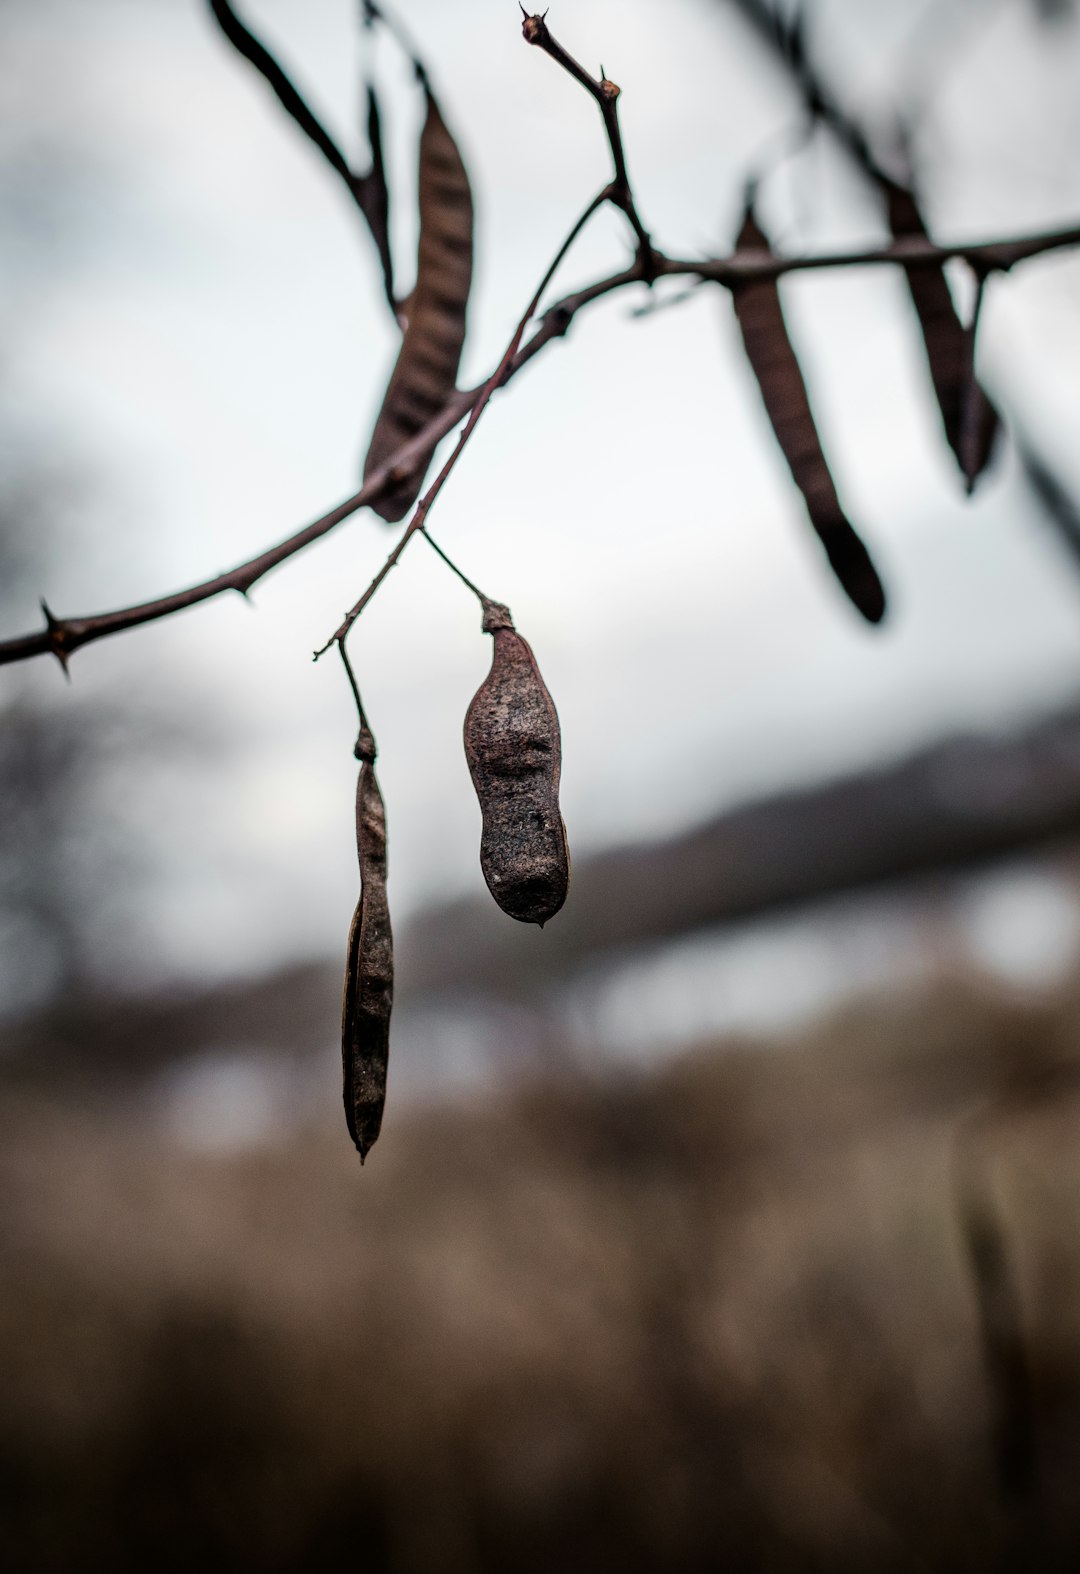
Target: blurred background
point(731, 1221)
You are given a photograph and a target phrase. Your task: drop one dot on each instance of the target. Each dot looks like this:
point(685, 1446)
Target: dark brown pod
point(369, 974)
point(969, 427)
point(775, 365)
point(425, 373)
point(514, 751)
point(369, 191)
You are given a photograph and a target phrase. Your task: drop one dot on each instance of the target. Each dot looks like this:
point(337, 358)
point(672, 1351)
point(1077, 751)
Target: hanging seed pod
point(425, 374)
point(377, 193)
point(369, 975)
point(368, 191)
point(776, 367)
point(969, 419)
point(514, 752)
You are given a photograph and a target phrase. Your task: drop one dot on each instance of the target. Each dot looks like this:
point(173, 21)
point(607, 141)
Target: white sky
point(194, 315)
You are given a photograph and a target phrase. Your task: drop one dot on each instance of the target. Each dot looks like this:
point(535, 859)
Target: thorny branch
point(535, 31)
point(62, 636)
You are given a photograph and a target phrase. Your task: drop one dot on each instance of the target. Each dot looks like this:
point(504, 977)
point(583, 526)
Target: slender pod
point(368, 191)
point(969, 419)
point(377, 200)
point(425, 374)
point(514, 750)
point(369, 974)
point(775, 365)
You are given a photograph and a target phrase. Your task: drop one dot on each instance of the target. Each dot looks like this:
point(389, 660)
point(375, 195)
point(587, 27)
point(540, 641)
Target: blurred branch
point(1058, 502)
point(787, 46)
point(62, 636)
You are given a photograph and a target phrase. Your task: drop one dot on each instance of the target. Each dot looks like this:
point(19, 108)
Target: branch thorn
point(56, 633)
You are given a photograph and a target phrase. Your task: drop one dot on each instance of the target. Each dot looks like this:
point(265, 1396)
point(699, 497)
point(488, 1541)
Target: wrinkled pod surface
point(513, 748)
point(369, 973)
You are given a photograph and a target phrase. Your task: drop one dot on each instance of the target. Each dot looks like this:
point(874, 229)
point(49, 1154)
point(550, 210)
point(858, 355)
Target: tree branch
point(907, 251)
point(535, 31)
point(62, 636)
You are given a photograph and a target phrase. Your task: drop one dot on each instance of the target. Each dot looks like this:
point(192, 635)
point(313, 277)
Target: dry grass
point(717, 1317)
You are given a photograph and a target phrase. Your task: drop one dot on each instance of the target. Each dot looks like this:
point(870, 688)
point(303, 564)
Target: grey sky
point(196, 320)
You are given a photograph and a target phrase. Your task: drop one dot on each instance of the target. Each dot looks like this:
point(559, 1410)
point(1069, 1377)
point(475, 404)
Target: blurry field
point(720, 1316)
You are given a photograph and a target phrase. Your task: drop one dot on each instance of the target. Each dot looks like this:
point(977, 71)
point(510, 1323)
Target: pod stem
point(364, 748)
point(496, 613)
point(484, 601)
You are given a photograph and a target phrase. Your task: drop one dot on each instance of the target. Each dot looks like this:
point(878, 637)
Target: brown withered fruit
point(779, 377)
point(425, 373)
point(369, 972)
point(514, 751)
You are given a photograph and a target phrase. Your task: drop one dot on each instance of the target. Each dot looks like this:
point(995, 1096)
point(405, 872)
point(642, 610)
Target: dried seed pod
point(425, 374)
point(969, 428)
point(369, 975)
point(368, 191)
point(376, 192)
point(776, 367)
point(514, 752)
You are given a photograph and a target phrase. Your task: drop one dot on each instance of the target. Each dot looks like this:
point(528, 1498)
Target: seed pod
point(368, 191)
point(425, 374)
point(970, 429)
point(514, 752)
point(369, 975)
point(776, 367)
point(376, 193)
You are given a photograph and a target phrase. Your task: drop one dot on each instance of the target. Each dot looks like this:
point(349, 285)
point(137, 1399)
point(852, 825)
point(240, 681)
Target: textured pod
point(776, 367)
point(970, 429)
point(514, 752)
point(369, 975)
point(425, 374)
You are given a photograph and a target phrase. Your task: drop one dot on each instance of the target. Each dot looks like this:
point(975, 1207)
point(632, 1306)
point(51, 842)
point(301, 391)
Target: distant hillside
point(962, 802)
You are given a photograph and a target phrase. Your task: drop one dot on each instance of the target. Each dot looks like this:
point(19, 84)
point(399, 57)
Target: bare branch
point(535, 31)
point(64, 635)
point(909, 251)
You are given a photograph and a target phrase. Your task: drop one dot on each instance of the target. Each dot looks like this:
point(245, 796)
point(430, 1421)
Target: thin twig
point(536, 31)
point(351, 675)
point(62, 636)
point(452, 566)
point(496, 379)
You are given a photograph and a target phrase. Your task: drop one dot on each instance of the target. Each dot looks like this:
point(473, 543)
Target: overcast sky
point(194, 327)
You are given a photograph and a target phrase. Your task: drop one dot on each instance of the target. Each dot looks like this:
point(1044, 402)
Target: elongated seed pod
point(425, 374)
point(377, 192)
point(776, 367)
point(948, 347)
point(368, 191)
point(514, 751)
point(369, 972)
